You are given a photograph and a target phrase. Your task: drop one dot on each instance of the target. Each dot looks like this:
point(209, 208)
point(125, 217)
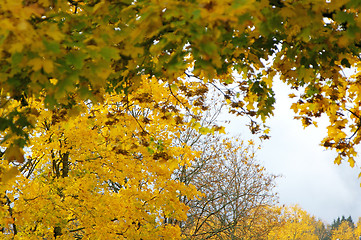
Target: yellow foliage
point(344, 232)
point(64, 54)
point(9, 174)
point(298, 224)
point(104, 173)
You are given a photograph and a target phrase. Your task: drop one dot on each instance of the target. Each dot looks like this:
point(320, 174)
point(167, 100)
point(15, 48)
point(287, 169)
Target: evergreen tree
point(351, 223)
point(337, 222)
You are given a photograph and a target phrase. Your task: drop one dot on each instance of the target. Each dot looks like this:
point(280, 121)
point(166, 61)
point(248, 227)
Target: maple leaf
point(14, 153)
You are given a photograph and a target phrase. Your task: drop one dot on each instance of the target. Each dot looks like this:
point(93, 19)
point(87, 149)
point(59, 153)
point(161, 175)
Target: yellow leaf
point(104, 73)
point(294, 107)
point(222, 130)
point(292, 95)
point(74, 111)
point(14, 153)
point(48, 66)
point(342, 41)
point(16, 47)
point(155, 60)
point(98, 5)
point(268, 80)
point(53, 81)
point(174, 87)
point(36, 63)
point(351, 161)
point(55, 33)
point(204, 130)
point(10, 174)
point(196, 125)
point(338, 160)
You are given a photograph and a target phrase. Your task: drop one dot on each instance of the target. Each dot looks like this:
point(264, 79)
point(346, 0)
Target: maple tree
point(104, 173)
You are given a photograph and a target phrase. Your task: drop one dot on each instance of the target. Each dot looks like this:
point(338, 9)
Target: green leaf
point(244, 17)
point(50, 102)
point(4, 36)
point(4, 123)
point(209, 47)
point(240, 41)
point(344, 17)
point(238, 3)
point(109, 53)
point(150, 150)
point(275, 22)
point(22, 121)
point(311, 90)
point(76, 59)
point(52, 46)
point(16, 58)
point(352, 30)
point(196, 14)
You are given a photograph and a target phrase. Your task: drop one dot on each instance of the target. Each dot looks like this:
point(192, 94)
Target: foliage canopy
point(68, 51)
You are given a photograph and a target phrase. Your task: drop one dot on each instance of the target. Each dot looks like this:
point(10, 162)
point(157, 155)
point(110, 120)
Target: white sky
point(309, 176)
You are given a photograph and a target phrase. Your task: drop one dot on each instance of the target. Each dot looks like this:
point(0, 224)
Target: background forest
point(109, 114)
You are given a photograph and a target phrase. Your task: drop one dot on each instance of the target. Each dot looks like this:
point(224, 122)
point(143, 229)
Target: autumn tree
point(357, 229)
point(322, 231)
point(344, 228)
point(344, 232)
point(106, 173)
point(237, 199)
point(299, 225)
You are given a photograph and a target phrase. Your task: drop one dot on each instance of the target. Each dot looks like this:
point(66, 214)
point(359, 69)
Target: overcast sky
point(309, 176)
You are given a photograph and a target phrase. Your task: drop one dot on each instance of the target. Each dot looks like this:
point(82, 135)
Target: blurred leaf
point(76, 59)
point(9, 174)
point(14, 153)
point(52, 46)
